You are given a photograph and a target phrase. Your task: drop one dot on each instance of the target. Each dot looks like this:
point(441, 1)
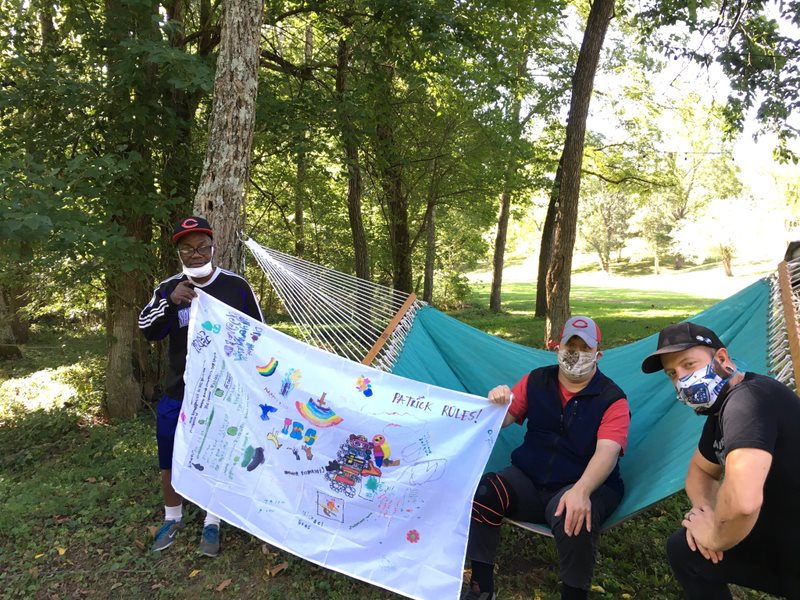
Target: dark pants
point(167, 413)
point(576, 553)
point(748, 565)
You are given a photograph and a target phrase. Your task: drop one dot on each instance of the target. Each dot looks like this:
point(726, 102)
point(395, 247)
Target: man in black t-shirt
point(743, 527)
point(167, 314)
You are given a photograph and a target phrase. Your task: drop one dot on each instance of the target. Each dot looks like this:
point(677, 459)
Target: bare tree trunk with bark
point(354, 186)
point(500, 248)
point(560, 267)
point(8, 344)
point(220, 194)
point(546, 245)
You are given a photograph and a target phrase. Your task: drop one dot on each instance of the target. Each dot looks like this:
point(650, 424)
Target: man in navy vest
point(566, 471)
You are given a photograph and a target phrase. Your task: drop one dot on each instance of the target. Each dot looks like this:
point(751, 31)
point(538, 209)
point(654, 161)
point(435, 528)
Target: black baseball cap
point(677, 337)
point(191, 225)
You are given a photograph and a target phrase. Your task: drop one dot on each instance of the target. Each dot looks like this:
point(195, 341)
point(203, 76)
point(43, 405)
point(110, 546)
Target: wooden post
point(790, 317)
point(384, 337)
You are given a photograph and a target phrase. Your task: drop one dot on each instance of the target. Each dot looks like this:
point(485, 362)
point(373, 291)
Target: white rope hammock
point(367, 322)
point(783, 328)
point(353, 318)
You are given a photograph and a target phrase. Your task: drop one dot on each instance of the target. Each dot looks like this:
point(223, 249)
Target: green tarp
point(443, 351)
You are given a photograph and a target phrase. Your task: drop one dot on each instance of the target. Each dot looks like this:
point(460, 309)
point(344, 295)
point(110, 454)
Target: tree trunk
point(220, 194)
point(500, 249)
point(302, 165)
point(546, 246)
point(345, 118)
point(126, 348)
point(391, 176)
point(508, 180)
point(430, 254)
point(8, 345)
point(126, 290)
point(559, 271)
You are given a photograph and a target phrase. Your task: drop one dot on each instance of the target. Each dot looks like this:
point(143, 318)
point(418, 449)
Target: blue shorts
point(167, 414)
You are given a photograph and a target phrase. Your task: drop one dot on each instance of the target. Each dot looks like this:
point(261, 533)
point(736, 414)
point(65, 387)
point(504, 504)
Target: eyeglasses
point(188, 251)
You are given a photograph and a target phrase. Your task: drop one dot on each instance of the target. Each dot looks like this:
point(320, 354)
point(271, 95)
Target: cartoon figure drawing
point(307, 450)
point(272, 436)
point(354, 461)
point(382, 452)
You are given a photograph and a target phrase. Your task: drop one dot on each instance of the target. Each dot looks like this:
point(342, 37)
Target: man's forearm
point(600, 466)
point(731, 523)
point(701, 488)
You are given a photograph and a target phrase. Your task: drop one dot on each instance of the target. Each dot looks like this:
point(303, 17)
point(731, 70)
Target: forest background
point(403, 141)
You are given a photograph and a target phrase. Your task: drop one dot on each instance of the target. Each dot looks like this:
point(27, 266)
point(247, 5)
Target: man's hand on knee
point(578, 507)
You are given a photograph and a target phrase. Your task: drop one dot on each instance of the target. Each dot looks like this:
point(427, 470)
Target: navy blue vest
point(559, 444)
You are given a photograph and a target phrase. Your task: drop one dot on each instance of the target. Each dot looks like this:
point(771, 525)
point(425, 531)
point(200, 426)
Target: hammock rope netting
point(355, 319)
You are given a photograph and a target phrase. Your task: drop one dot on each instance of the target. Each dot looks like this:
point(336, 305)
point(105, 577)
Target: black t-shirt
point(762, 413)
point(160, 318)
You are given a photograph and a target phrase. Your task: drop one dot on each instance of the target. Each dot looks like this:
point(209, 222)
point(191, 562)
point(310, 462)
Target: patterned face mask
point(700, 390)
point(576, 365)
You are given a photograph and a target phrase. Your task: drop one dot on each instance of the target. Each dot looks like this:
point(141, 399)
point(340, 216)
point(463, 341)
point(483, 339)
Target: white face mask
point(576, 365)
point(198, 272)
point(700, 390)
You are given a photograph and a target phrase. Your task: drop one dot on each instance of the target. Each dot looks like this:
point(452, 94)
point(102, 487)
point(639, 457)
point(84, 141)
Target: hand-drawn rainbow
point(317, 413)
point(268, 369)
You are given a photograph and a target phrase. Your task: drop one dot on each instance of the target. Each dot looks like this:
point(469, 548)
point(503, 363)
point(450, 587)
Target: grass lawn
point(81, 500)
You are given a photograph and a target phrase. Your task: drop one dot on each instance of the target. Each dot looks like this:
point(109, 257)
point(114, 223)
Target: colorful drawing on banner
point(310, 436)
point(290, 380)
point(354, 460)
point(240, 341)
point(253, 457)
point(364, 386)
point(212, 327)
point(330, 507)
point(307, 450)
point(269, 368)
point(287, 422)
point(382, 452)
point(266, 409)
point(318, 413)
point(200, 341)
point(297, 430)
point(412, 536)
point(272, 436)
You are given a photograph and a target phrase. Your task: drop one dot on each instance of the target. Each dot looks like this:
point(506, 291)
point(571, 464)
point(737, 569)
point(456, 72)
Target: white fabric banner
point(346, 466)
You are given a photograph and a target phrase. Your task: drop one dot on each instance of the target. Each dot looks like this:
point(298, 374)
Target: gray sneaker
point(209, 542)
point(166, 535)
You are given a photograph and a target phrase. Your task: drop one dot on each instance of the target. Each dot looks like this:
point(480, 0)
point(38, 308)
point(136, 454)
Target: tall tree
point(348, 136)
point(559, 271)
point(220, 194)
